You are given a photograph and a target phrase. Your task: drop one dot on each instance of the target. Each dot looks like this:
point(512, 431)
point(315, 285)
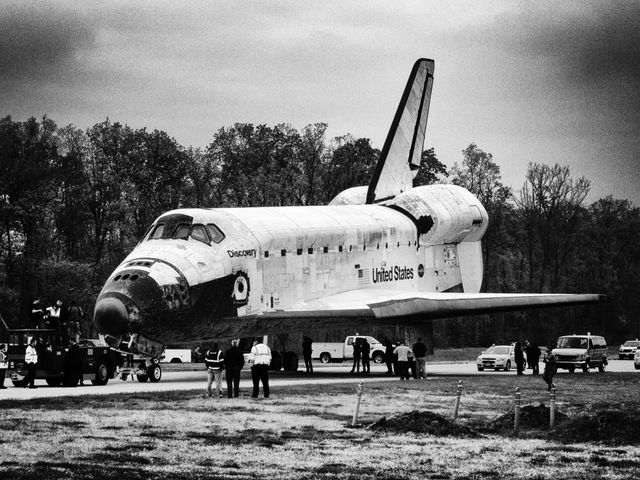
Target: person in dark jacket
point(365, 350)
point(550, 365)
point(72, 365)
point(233, 363)
point(356, 355)
point(420, 354)
point(519, 357)
point(388, 355)
point(533, 357)
point(307, 349)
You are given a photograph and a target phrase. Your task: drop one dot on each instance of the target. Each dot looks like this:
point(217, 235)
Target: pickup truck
point(328, 352)
point(176, 355)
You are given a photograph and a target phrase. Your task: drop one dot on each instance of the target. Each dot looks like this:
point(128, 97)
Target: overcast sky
point(548, 82)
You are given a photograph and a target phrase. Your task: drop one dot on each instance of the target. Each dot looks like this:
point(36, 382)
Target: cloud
point(38, 42)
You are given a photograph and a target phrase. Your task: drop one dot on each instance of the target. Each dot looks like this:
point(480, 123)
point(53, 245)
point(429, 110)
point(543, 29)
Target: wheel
point(175, 360)
point(102, 373)
point(481, 369)
point(53, 381)
point(571, 369)
point(290, 362)
point(636, 366)
point(601, 368)
point(154, 372)
point(142, 377)
point(276, 362)
point(378, 357)
point(19, 383)
point(497, 369)
point(325, 358)
point(507, 366)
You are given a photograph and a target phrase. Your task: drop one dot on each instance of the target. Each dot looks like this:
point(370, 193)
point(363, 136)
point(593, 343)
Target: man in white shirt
point(31, 359)
point(261, 357)
point(403, 352)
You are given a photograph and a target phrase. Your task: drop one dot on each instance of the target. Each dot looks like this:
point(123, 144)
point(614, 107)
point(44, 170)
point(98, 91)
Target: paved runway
point(192, 377)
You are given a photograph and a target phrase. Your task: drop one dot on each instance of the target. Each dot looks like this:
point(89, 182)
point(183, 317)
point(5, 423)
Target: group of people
point(361, 354)
point(58, 317)
point(406, 362)
point(231, 362)
point(529, 354)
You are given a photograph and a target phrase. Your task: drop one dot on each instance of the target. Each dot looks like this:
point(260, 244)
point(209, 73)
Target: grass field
point(303, 433)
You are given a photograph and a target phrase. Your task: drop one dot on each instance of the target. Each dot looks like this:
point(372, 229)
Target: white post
point(552, 407)
point(457, 404)
point(516, 420)
point(358, 397)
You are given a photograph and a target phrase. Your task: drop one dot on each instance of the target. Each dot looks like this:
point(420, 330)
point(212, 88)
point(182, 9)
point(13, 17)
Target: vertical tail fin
point(400, 156)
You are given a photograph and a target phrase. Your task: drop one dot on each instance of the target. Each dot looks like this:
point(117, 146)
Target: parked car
point(636, 360)
point(628, 349)
point(176, 355)
point(581, 351)
point(328, 352)
point(498, 357)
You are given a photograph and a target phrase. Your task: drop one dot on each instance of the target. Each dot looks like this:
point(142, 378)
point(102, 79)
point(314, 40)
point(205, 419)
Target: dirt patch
point(423, 422)
point(608, 426)
point(534, 417)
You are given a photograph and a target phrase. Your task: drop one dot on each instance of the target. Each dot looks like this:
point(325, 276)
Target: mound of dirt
point(608, 426)
point(531, 416)
point(423, 422)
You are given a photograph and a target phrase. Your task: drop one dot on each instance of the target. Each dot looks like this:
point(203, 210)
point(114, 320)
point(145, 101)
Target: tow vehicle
point(99, 362)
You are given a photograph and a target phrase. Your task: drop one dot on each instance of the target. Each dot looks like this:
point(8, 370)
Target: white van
point(581, 351)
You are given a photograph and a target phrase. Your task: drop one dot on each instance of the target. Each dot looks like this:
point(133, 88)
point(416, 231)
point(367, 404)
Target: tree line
point(74, 202)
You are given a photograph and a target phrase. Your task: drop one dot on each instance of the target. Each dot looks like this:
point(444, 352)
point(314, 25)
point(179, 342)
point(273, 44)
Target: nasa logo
point(421, 270)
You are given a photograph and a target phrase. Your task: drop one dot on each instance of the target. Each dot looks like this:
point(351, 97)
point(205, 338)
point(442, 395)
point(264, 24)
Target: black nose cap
point(110, 317)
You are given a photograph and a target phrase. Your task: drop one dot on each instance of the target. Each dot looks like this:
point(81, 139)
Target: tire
point(290, 362)
point(102, 373)
point(507, 366)
point(19, 383)
point(175, 360)
point(378, 357)
point(601, 368)
point(325, 358)
point(154, 372)
point(142, 377)
point(276, 362)
point(571, 369)
point(54, 381)
point(481, 369)
point(636, 366)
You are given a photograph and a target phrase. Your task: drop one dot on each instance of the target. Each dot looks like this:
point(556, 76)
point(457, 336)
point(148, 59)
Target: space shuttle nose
point(110, 317)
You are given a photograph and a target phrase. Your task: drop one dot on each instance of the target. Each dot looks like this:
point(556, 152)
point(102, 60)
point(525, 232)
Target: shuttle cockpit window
point(198, 232)
point(216, 234)
point(181, 232)
point(156, 234)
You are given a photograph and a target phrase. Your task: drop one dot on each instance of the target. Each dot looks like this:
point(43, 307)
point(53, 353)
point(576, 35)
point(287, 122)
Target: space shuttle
point(386, 253)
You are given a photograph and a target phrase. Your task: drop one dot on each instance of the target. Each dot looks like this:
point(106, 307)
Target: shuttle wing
point(393, 306)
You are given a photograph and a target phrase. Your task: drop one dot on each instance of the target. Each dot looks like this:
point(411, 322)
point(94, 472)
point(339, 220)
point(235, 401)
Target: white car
point(628, 349)
point(498, 357)
point(636, 360)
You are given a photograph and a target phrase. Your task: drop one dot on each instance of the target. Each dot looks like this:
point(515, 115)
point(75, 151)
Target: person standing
point(533, 357)
point(214, 361)
point(356, 355)
point(550, 364)
point(31, 360)
point(388, 355)
point(74, 321)
point(233, 363)
point(519, 358)
point(365, 350)
point(402, 351)
point(37, 314)
point(72, 366)
point(261, 355)
point(307, 349)
point(55, 312)
point(3, 364)
point(420, 353)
